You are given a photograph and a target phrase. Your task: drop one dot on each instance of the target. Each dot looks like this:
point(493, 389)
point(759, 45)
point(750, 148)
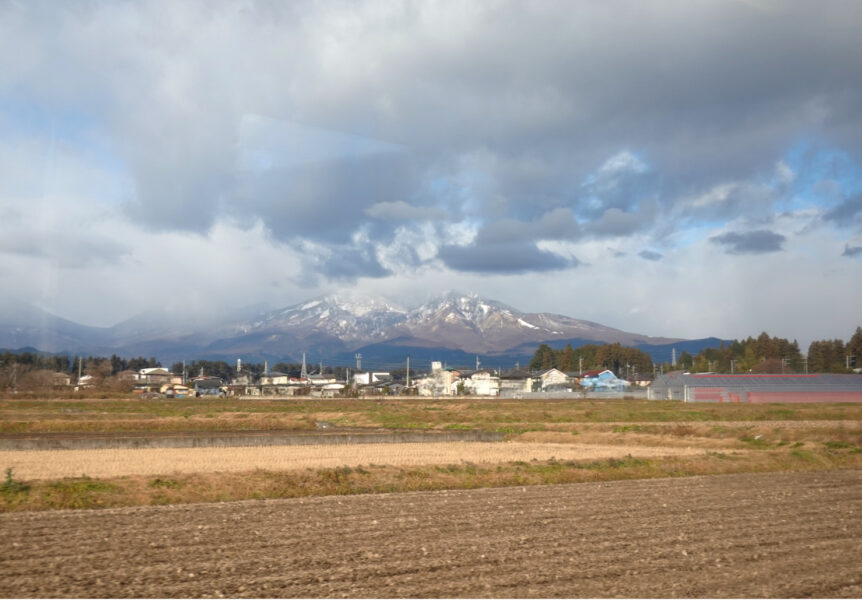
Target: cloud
point(402, 211)
point(558, 224)
point(650, 255)
point(614, 223)
point(846, 213)
point(752, 242)
point(852, 251)
point(512, 258)
point(384, 141)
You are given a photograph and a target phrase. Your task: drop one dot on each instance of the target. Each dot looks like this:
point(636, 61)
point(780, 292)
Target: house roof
point(761, 381)
point(516, 374)
point(594, 372)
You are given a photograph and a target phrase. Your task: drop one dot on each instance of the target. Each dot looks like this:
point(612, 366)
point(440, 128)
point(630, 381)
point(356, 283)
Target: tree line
point(763, 354)
point(766, 354)
point(34, 371)
point(622, 360)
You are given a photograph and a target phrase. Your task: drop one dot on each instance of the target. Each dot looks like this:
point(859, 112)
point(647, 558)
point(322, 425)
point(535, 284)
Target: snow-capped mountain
point(475, 324)
point(348, 317)
point(329, 327)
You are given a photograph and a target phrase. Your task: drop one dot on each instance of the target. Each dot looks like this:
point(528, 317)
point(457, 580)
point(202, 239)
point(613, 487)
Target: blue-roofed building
point(603, 380)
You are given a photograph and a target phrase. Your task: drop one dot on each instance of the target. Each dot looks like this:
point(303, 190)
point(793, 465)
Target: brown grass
point(137, 490)
point(547, 442)
point(29, 415)
point(54, 464)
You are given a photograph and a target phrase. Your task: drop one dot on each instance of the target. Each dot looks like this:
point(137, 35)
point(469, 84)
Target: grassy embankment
point(734, 438)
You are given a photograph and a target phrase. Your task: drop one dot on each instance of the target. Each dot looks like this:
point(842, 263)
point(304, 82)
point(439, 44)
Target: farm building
point(756, 388)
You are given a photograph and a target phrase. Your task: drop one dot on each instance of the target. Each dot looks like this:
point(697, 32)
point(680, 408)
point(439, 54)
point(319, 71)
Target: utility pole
point(732, 366)
point(80, 360)
point(580, 365)
point(477, 362)
point(303, 375)
point(358, 361)
point(806, 364)
point(408, 371)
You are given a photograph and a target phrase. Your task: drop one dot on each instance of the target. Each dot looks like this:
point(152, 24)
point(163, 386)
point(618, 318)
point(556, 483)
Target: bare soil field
point(55, 464)
point(745, 535)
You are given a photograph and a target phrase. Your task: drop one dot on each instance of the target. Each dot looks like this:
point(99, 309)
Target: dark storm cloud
point(852, 251)
point(752, 242)
point(502, 258)
point(650, 255)
point(499, 112)
point(342, 262)
point(558, 224)
point(326, 201)
point(615, 223)
point(847, 212)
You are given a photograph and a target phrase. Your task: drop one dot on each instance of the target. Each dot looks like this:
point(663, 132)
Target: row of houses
point(443, 381)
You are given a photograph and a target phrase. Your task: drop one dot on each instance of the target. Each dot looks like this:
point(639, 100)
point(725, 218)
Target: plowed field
point(752, 535)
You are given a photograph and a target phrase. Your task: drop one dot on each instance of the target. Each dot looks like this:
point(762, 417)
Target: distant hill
point(454, 328)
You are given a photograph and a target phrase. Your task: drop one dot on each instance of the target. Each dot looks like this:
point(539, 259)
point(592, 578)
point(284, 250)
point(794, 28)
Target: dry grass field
point(57, 464)
point(547, 441)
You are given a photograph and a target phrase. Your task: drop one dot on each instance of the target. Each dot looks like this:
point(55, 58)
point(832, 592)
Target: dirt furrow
point(789, 535)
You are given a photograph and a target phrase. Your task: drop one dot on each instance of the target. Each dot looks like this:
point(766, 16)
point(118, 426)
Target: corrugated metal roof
point(756, 381)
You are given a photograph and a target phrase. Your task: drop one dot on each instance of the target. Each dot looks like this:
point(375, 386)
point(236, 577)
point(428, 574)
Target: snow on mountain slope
point(326, 326)
point(474, 324)
point(349, 317)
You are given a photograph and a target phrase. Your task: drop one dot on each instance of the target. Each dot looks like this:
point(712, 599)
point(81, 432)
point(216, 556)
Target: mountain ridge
point(327, 327)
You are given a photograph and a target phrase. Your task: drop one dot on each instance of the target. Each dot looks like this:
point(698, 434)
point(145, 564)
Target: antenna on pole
point(358, 361)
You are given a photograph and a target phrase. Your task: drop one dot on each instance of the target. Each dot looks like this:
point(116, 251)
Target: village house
point(554, 380)
point(513, 383)
point(482, 383)
point(152, 379)
point(602, 380)
point(207, 386)
point(441, 382)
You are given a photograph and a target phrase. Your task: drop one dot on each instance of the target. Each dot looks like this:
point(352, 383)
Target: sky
point(682, 169)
